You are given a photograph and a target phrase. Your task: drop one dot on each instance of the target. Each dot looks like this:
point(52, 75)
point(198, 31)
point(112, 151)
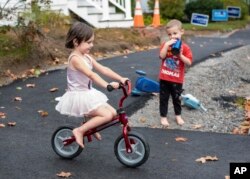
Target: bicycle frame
point(121, 118)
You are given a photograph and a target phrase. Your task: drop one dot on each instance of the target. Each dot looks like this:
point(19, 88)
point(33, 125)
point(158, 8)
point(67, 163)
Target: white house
point(98, 13)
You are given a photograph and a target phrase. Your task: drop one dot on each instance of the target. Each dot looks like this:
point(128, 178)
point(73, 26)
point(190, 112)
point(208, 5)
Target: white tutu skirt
point(80, 103)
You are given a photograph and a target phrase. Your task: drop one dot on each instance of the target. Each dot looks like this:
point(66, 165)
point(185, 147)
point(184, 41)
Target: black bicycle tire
point(56, 150)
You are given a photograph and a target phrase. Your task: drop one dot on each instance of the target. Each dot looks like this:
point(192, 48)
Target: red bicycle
point(131, 148)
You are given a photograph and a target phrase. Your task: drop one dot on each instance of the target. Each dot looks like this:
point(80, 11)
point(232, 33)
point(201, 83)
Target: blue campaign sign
point(219, 15)
point(199, 19)
point(234, 11)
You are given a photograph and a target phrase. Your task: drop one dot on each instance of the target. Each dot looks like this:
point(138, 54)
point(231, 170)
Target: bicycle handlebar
point(127, 83)
point(126, 91)
point(110, 88)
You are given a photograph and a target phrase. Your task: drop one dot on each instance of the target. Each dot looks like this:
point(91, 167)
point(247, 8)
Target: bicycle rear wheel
point(57, 141)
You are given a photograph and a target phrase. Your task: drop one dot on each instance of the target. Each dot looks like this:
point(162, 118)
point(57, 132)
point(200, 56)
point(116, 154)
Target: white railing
point(103, 6)
point(123, 5)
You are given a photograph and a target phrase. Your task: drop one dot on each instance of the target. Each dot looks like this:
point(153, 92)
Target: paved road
point(26, 152)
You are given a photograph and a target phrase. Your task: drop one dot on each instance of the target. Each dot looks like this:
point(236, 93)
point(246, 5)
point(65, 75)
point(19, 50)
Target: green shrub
point(10, 47)
point(148, 19)
point(170, 9)
point(202, 7)
point(239, 3)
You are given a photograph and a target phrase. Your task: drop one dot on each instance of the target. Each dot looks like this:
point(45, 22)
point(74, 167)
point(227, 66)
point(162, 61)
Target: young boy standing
point(172, 71)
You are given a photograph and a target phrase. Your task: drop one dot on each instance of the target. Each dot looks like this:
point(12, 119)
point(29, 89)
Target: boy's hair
point(173, 23)
point(80, 32)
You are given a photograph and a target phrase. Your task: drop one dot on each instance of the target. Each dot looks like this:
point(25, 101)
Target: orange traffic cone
point(138, 18)
point(156, 18)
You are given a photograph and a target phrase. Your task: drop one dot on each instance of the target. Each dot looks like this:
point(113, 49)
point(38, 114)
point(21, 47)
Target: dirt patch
point(50, 53)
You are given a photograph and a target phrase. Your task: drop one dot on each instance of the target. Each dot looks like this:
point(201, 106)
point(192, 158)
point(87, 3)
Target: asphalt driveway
point(26, 151)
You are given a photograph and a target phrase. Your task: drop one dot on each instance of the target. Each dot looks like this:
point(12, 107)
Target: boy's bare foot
point(78, 136)
point(98, 136)
point(164, 122)
point(179, 120)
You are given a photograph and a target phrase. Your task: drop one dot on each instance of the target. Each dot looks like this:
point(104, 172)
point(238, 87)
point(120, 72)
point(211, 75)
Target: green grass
point(10, 48)
point(20, 53)
point(240, 101)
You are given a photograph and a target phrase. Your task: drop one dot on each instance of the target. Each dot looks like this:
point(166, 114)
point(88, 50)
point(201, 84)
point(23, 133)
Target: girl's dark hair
point(80, 32)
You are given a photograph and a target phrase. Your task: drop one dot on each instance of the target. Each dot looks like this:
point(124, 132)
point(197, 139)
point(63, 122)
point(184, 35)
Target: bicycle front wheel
point(140, 150)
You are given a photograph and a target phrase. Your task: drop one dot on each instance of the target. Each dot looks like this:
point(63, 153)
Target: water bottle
point(176, 47)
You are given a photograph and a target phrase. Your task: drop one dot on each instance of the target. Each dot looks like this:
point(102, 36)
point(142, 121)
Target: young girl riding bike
point(81, 99)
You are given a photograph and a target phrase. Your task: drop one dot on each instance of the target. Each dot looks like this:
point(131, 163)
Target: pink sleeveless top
point(76, 80)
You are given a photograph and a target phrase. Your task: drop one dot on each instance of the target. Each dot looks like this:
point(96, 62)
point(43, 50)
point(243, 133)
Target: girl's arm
point(82, 67)
point(108, 72)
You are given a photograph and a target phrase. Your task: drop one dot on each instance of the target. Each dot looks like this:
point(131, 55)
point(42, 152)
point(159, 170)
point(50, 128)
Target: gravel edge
point(216, 82)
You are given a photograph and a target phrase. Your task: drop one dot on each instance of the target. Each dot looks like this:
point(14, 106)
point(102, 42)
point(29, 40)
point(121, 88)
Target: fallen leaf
point(56, 61)
point(207, 158)
point(142, 119)
point(2, 125)
point(30, 85)
point(10, 74)
point(181, 139)
point(232, 92)
point(64, 174)
point(30, 71)
point(154, 126)
point(197, 126)
point(236, 130)
point(24, 75)
point(11, 124)
point(43, 113)
point(245, 123)
point(46, 30)
point(37, 72)
point(2, 115)
point(244, 129)
point(53, 89)
point(17, 98)
point(19, 88)
point(202, 160)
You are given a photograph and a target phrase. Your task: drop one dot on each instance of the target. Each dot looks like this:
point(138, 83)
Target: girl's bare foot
point(78, 136)
point(164, 122)
point(98, 136)
point(179, 120)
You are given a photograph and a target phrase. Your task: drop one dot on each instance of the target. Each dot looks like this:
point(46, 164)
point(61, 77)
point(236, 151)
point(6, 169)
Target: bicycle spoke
point(71, 148)
point(61, 147)
point(136, 144)
point(138, 153)
point(61, 138)
point(122, 150)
